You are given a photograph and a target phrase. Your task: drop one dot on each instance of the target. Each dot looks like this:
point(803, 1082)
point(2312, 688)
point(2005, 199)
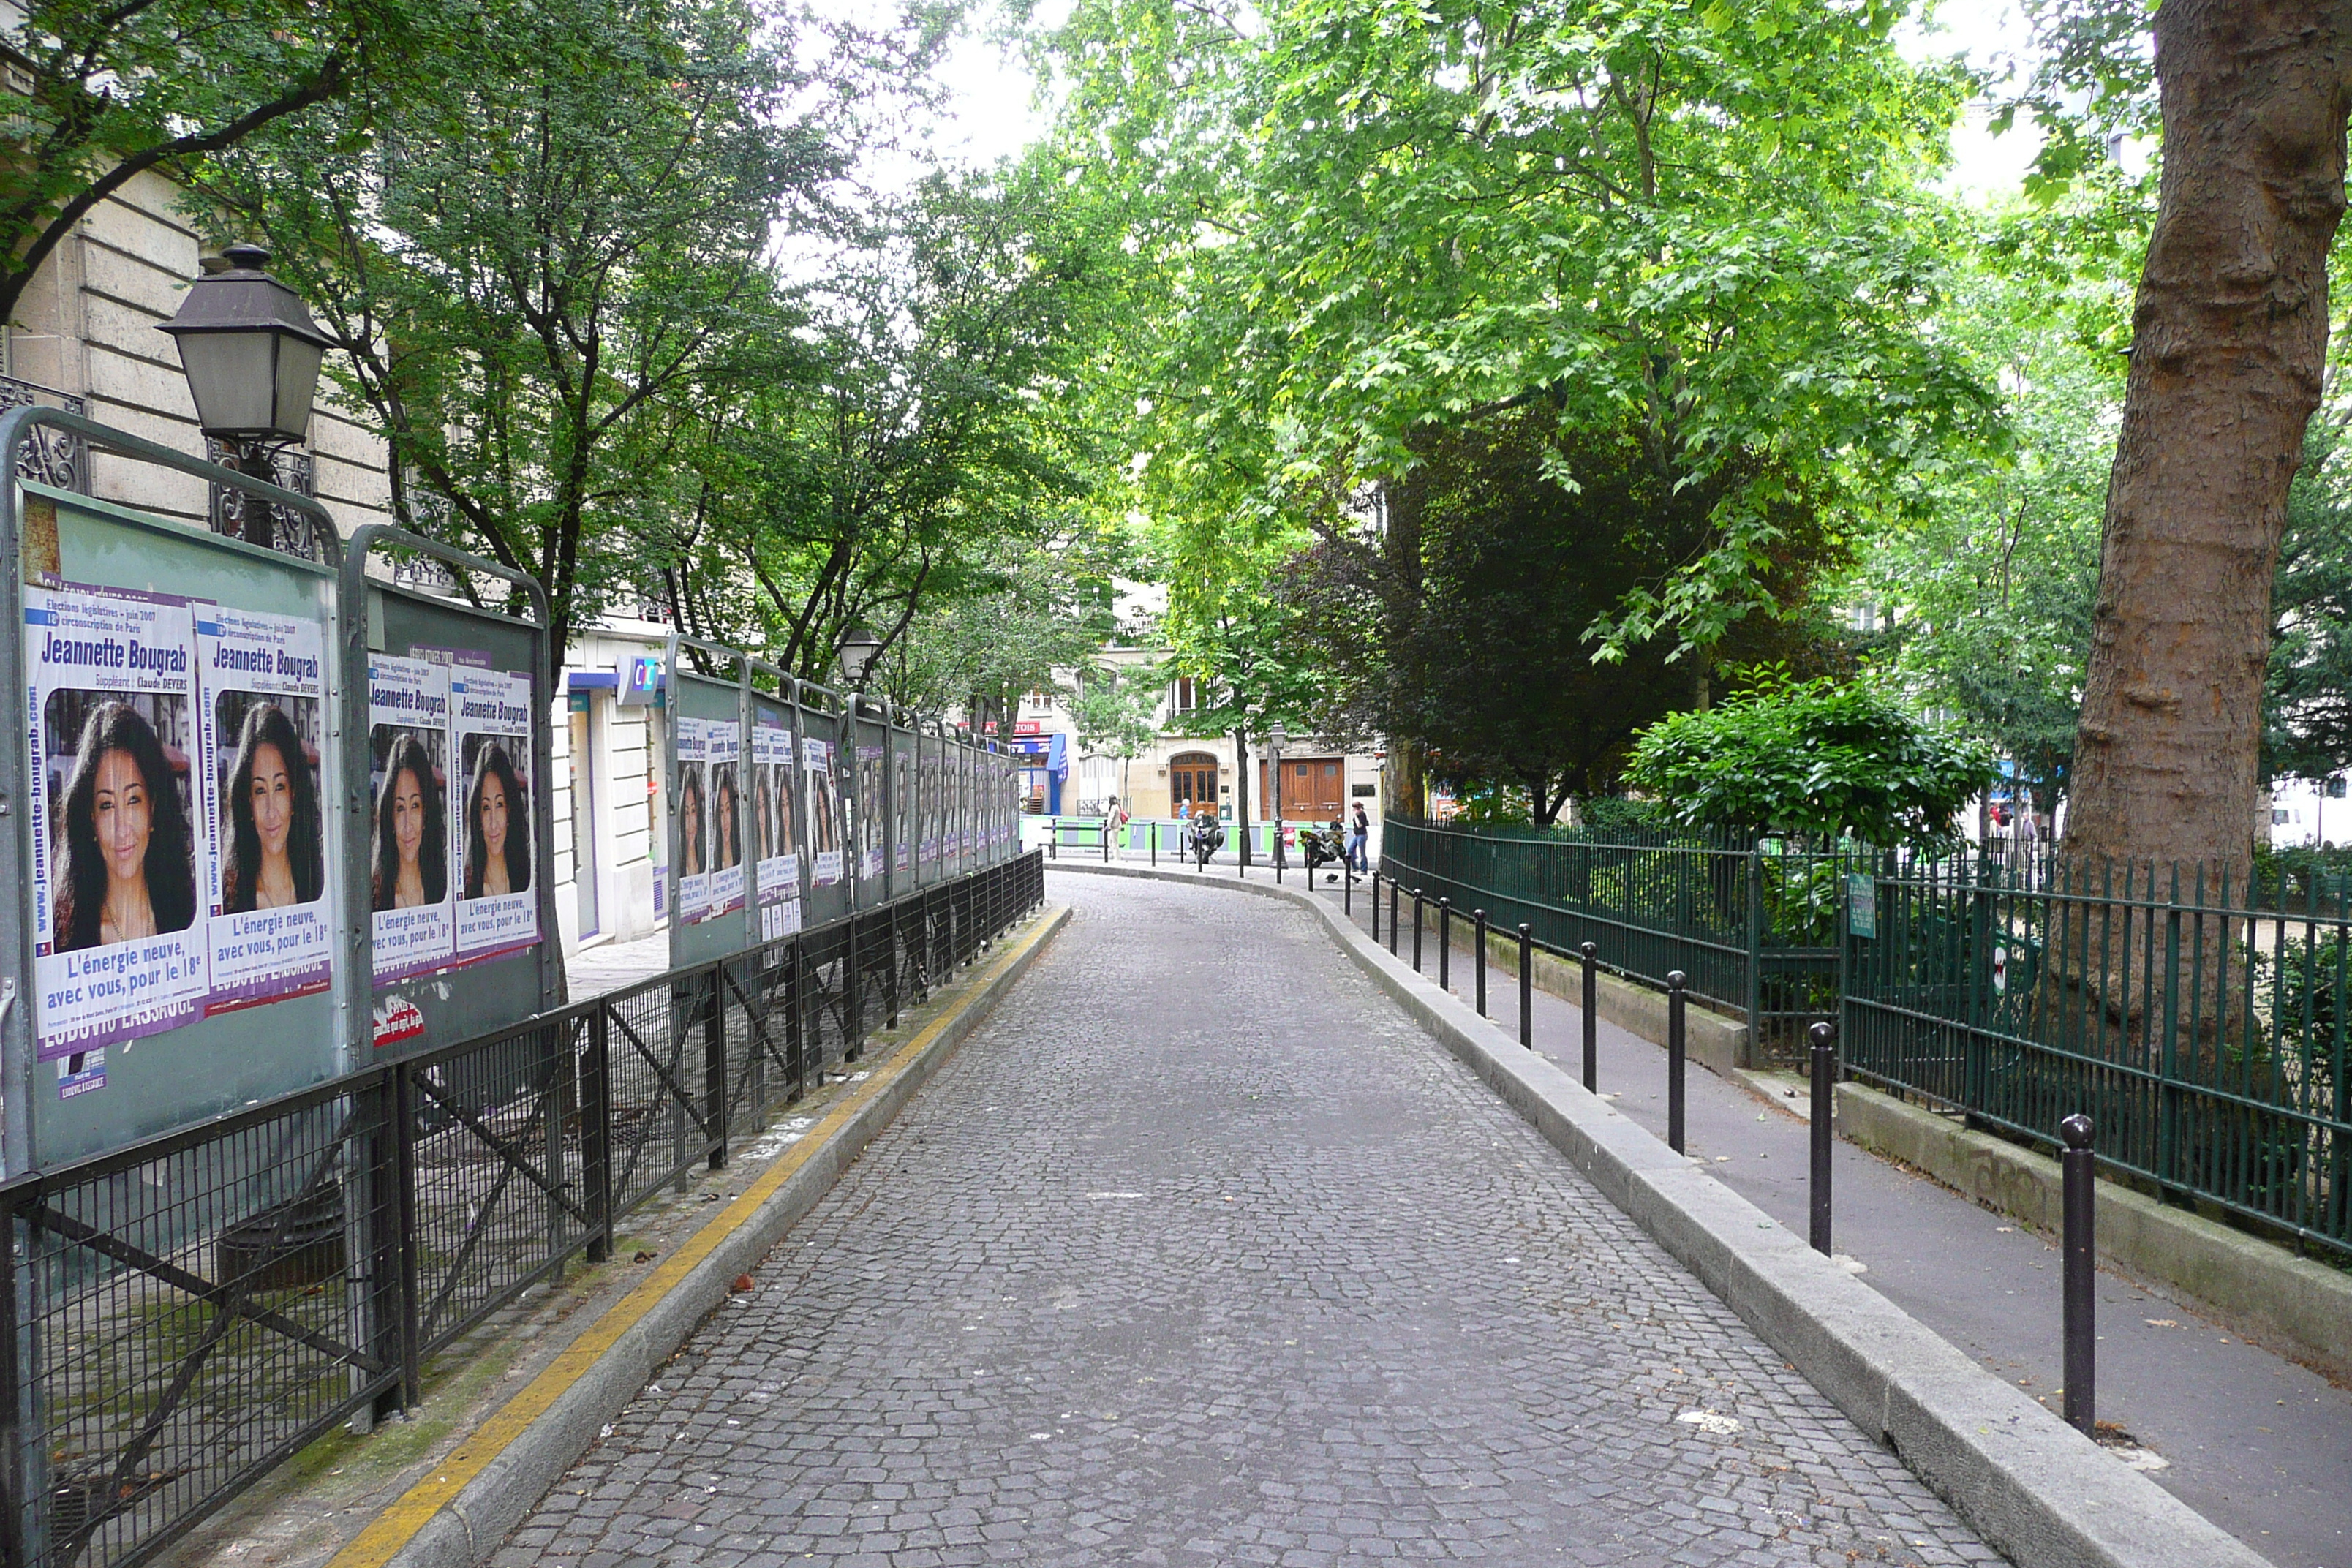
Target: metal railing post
point(1675, 1003)
point(597, 1134)
point(1392, 917)
point(2081, 1276)
point(714, 1067)
point(412, 1357)
point(1416, 931)
point(1824, 1064)
point(1444, 944)
point(1591, 1019)
point(1478, 926)
point(1526, 985)
point(18, 1482)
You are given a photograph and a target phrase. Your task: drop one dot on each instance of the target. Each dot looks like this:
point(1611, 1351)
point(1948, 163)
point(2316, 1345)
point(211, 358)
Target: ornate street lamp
point(858, 646)
point(1275, 738)
point(251, 355)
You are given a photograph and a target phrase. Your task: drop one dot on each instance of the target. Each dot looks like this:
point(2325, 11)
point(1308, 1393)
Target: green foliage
point(1463, 621)
point(115, 90)
point(1990, 589)
point(2307, 697)
point(1817, 758)
point(538, 259)
point(1118, 714)
point(1701, 228)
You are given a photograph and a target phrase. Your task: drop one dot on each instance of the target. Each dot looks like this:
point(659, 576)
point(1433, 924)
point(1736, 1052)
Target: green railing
point(2202, 1028)
point(1752, 928)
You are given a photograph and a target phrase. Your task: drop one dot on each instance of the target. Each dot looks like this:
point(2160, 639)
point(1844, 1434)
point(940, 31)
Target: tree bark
point(2230, 335)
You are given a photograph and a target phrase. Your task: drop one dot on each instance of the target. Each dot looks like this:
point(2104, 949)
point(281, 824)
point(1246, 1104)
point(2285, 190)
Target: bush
point(1818, 758)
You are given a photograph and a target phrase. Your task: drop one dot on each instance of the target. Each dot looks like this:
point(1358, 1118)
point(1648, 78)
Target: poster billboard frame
point(445, 1003)
point(696, 941)
point(24, 1143)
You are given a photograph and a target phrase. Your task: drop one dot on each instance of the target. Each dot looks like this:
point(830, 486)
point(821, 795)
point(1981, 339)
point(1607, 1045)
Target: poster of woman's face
point(410, 865)
point(725, 819)
point(271, 832)
point(693, 820)
point(825, 834)
point(763, 814)
point(120, 805)
point(779, 804)
point(497, 815)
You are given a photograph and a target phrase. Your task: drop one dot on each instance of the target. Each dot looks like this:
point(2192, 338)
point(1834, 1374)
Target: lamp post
point(251, 355)
point(858, 646)
point(1275, 738)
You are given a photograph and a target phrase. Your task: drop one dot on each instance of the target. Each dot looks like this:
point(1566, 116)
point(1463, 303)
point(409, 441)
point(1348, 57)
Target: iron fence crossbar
point(191, 1312)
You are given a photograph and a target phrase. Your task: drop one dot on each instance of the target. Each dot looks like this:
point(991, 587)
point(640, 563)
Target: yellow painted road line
point(398, 1524)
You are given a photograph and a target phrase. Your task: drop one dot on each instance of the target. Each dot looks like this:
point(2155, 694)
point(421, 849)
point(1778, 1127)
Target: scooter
point(1203, 837)
point(1327, 847)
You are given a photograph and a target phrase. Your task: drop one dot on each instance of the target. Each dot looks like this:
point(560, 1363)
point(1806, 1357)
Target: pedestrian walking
point(1359, 828)
point(1119, 821)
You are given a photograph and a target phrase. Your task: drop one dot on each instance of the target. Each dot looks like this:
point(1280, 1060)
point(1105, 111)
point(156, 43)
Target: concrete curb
point(2301, 1309)
point(462, 1529)
point(2037, 1490)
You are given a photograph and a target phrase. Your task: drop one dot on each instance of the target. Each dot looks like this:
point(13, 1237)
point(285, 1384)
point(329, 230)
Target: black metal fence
point(2202, 1026)
point(190, 1312)
point(1753, 926)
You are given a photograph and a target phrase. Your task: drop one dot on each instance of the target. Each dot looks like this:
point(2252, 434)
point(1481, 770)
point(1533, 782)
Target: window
point(1185, 696)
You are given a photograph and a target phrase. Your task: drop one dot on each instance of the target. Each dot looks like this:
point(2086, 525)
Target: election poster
point(823, 812)
point(868, 780)
point(902, 809)
point(692, 805)
point(411, 887)
point(723, 747)
point(497, 912)
point(119, 950)
point(261, 694)
point(771, 808)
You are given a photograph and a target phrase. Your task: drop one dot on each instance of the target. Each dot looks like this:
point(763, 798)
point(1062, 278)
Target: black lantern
point(250, 351)
point(858, 646)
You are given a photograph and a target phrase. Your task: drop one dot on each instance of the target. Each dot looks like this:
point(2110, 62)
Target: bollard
point(1824, 1037)
point(1675, 1005)
point(1392, 917)
point(2081, 1269)
point(1591, 1018)
point(1348, 894)
point(1478, 924)
point(1526, 985)
point(1444, 944)
point(1105, 840)
point(1416, 931)
point(1376, 909)
point(1153, 830)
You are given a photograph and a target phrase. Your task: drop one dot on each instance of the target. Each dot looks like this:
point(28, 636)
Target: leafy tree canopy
point(1699, 225)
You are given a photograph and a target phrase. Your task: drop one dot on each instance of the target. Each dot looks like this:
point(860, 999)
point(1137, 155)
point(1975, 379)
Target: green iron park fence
point(1753, 930)
point(2202, 1026)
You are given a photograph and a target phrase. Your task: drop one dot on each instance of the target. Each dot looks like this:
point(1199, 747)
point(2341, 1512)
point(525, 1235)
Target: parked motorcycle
point(1203, 837)
point(1324, 847)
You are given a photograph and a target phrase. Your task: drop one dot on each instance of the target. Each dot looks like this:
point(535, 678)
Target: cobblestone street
point(1198, 1252)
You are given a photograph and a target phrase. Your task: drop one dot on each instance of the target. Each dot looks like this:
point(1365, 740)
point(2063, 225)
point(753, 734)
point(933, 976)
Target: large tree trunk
point(2230, 336)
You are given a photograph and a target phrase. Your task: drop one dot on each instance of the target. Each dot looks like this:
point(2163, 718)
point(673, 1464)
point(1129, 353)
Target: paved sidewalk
point(2258, 1444)
point(1199, 1252)
point(616, 966)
